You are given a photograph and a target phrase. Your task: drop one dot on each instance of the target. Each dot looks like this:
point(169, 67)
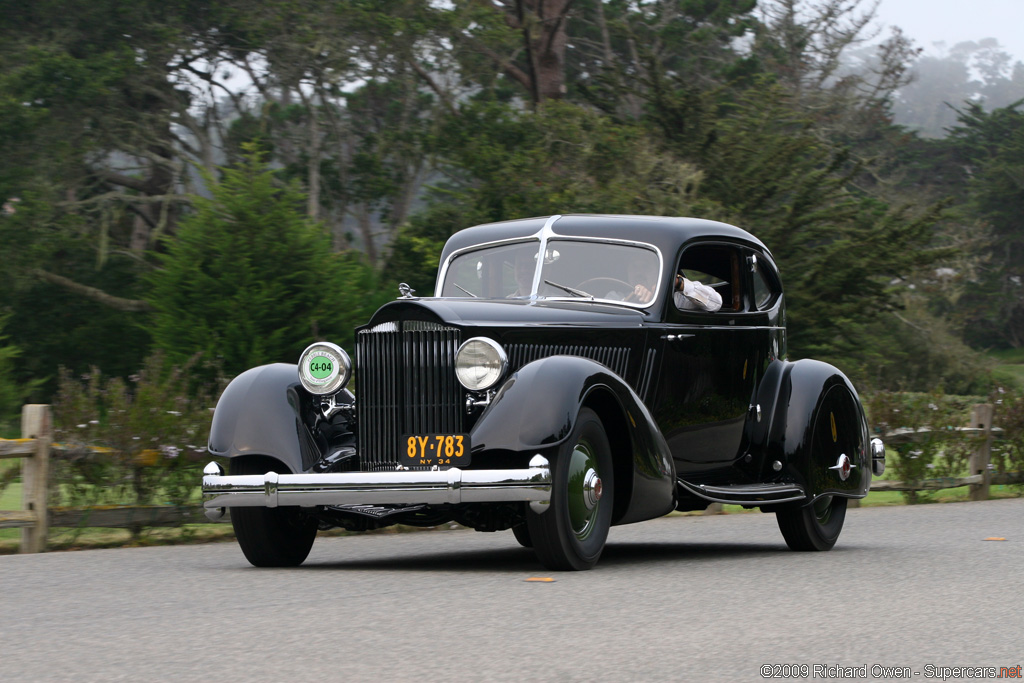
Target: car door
point(710, 364)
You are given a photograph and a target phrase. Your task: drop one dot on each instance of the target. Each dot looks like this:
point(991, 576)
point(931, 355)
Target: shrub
point(140, 442)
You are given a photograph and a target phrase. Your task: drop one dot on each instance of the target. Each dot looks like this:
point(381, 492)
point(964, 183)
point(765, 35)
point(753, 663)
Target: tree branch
point(121, 304)
point(422, 73)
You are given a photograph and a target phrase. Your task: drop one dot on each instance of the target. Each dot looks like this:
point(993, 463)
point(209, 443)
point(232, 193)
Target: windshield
point(572, 269)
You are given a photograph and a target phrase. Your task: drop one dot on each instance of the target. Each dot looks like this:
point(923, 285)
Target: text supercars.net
point(880, 671)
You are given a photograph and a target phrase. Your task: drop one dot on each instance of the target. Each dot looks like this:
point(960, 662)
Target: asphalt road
point(674, 599)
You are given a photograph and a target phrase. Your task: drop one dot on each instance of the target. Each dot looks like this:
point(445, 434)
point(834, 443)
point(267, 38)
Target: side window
point(764, 288)
point(717, 266)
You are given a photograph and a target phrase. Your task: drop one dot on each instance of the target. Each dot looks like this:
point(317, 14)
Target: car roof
point(666, 233)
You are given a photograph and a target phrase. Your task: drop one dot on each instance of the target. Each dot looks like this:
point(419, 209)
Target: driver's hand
point(642, 294)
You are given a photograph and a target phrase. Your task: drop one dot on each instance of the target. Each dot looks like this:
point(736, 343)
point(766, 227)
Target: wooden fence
point(36, 446)
point(35, 518)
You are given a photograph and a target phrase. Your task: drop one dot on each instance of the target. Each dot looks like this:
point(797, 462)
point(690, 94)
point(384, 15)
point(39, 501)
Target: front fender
point(536, 410)
point(259, 413)
point(803, 400)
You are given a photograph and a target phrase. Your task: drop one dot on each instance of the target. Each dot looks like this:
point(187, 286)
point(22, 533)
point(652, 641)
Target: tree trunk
point(543, 23)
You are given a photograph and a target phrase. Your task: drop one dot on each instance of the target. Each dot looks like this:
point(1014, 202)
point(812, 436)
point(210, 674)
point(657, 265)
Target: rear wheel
point(815, 526)
point(570, 535)
point(271, 537)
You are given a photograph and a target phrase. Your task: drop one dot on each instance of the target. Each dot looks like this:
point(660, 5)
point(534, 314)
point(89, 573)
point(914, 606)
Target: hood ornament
point(406, 291)
point(843, 466)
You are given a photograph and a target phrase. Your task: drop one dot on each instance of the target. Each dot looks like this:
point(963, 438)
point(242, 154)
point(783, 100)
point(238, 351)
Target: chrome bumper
point(433, 487)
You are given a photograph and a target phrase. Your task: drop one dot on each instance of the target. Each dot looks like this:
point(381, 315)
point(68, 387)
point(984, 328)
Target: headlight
point(480, 363)
point(324, 368)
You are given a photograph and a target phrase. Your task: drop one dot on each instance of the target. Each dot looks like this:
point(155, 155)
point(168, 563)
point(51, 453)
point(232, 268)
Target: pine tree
point(251, 279)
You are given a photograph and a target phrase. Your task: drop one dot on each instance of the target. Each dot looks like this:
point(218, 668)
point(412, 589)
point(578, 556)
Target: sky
point(954, 21)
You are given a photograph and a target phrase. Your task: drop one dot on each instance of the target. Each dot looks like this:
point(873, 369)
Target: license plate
point(427, 450)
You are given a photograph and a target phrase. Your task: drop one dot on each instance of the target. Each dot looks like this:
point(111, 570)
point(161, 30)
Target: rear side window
point(717, 266)
point(765, 289)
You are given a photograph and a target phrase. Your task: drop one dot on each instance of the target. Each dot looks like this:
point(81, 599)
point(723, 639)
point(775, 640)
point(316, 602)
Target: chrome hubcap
point(592, 489)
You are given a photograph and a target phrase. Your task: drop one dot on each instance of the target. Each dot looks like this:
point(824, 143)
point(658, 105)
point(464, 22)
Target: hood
point(508, 312)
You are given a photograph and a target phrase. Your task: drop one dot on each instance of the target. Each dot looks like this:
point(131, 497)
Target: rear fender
point(536, 410)
point(798, 398)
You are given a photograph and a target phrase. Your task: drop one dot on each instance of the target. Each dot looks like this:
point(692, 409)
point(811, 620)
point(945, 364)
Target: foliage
point(563, 158)
point(939, 450)
point(1008, 451)
point(991, 147)
point(140, 442)
point(12, 393)
point(767, 114)
point(250, 279)
point(417, 247)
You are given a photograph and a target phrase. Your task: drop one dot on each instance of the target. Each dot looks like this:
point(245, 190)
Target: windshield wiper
point(467, 291)
point(574, 292)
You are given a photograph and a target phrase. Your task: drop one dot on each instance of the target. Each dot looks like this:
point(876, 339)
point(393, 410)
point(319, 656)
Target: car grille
point(406, 385)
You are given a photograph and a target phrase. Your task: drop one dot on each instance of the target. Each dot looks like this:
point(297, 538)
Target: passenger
point(526, 263)
point(690, 295)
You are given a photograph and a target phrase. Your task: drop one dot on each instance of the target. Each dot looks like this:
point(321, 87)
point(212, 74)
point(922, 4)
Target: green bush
point(12, 394)
point(250, 279)
point(940, 450)
point(141, 442)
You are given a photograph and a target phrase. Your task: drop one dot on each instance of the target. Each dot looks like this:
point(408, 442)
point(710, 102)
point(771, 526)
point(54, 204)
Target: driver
point(688, 295)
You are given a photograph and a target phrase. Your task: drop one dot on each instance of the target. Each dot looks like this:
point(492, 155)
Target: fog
point(937, 25)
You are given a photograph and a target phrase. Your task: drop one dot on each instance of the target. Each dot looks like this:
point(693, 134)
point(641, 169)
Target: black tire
point(522, 534)
point(271, 537)
point(815, 526)
point(570, 535)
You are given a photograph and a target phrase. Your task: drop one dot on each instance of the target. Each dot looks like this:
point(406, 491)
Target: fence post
point(35, 473)
point(981, 418)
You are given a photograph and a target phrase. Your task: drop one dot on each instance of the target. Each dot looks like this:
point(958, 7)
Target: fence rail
point(36, 447)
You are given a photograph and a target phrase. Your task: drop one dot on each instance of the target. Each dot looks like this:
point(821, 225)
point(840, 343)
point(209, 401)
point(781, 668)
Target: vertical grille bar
point(406, 386)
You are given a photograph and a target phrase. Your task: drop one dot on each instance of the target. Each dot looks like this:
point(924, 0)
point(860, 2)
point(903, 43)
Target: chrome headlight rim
point(321, 381)
point(498, 364)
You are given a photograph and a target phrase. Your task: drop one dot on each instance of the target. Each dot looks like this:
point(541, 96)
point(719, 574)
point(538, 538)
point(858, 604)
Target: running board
point(746, 494)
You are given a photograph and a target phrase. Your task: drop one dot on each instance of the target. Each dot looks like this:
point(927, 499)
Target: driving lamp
point(324, 368)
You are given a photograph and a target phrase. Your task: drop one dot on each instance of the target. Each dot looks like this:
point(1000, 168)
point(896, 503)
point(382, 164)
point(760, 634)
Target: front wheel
point(271, 537)
point(815, 526)
point(570, 535)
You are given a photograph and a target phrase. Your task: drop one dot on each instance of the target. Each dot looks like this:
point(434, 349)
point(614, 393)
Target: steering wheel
point(627, 289)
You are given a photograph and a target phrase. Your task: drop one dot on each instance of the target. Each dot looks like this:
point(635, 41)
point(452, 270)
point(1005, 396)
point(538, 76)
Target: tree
point(12, 393)
point(250, 279)
point(766, 167)
point(980, 72)
point(991, 147)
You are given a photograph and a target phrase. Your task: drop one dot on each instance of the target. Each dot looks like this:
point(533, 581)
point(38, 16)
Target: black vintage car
point(557, 384)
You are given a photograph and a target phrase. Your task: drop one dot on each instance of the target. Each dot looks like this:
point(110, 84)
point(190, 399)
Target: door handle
point(675, 337)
